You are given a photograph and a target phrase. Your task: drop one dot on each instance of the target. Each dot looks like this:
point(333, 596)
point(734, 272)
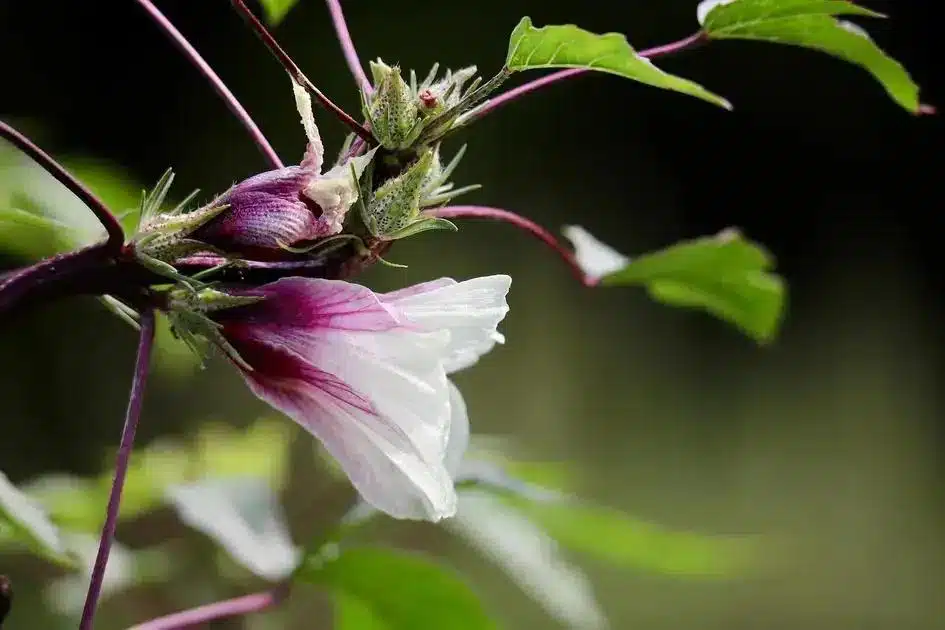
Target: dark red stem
point(135, 400)
point(295, 72)
point(116, 235)
point(498, 214)
point(215, 81)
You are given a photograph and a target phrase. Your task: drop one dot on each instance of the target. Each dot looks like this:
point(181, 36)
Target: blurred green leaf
point(620, 539)
point(811, 24)
point(29, 235)
point(724, 275)
point(276, 10)
point(244, 517)
point(260, 450)
point(25, 524)
point(402, 591)
point(568, 46)
point(353, 614)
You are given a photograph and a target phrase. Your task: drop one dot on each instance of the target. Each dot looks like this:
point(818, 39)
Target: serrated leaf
point(402, 591)
point(567, 46)
point(25, 524)
point(244, 517)
point(811, 24)
point(276, 10)
point(619, 539)
point(725, 275)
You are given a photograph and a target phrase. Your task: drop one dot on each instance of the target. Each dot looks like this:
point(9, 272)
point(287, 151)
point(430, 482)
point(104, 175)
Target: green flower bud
point(392, 110)
point(394, 211)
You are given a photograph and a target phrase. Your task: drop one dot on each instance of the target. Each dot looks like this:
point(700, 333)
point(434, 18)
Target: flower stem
point(295, 72)
point(498, 214)
point(142, 366)
point(347, 46)
point(219, 87)
point(218, 610)
point(687, 43)
point(52, 276)
point(116, 235)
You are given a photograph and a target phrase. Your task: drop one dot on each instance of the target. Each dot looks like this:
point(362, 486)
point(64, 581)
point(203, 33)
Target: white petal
point(244, 516)
point(705, 7)
point(459, 432)
point(856, 29)
point(529, 556)
point(469, 310)
point(314, 154)
point(379, 457)
point(337, 190)
point(593, 257)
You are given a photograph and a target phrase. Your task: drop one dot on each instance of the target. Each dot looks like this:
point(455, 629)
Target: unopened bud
point(394, 212)
point(392, 110)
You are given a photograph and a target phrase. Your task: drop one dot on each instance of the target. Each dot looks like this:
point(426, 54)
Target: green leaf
point(724, 275)
point(811, 24)
point(23, 523)
point(402, 591)
point(260, 450)
point(276, 10)
point(568, 46)
point(619, 539)
point(30, 235)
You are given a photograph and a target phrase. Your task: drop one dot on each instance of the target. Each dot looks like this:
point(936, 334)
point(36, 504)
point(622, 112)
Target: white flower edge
point(593, 257)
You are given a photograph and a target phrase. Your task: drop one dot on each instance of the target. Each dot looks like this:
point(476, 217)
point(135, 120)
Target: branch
point(498, 214)
point(347, 46)
point(219, 610)
point(215, 81)
point(142, 366)
point(295, 72)
point(116, 234)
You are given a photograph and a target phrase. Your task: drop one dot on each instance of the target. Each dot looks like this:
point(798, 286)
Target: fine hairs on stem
point(135, 399)
point(215, 81)
point(295, 72)
point(116, 235)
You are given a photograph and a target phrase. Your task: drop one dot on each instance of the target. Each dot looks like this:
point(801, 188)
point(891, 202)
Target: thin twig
point(498, 214)
point(215, 81)
point(135, 399)
point(116, 235)
point(347, 46)
point(218, 610)
point(295, 72)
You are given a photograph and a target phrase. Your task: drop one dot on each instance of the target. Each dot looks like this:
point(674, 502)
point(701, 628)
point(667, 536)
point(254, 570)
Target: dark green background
point(829, 443)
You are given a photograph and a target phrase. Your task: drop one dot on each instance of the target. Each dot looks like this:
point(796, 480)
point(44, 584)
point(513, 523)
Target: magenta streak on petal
point(278, 368)
point(498, 214)
point(310, 304)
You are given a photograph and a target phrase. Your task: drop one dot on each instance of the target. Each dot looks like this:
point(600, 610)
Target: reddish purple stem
point(498, 214)
point(218, 610)
point(295, 72)
point(215, 81)
point(116, 235)
point(135, 399)
point(347, 46)
point(651, 53)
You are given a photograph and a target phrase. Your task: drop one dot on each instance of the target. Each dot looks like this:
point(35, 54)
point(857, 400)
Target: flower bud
point(394, 212)
point(392, 110)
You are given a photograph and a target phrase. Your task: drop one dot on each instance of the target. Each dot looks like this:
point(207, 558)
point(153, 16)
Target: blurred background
point(827, 446)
